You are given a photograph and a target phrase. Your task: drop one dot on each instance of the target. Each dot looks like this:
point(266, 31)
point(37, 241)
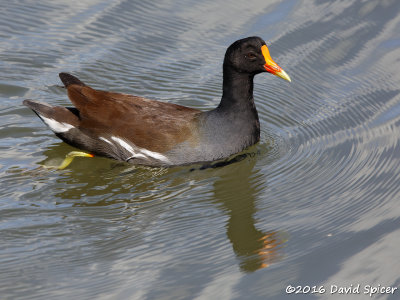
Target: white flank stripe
point(123, 144)
point(155, 155)
point(107, 141)
point(137, 152)
point(138, 155)
point(57, 127)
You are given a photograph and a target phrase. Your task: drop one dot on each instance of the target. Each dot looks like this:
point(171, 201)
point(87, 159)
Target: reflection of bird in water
point(254, 248)
point(238, 190)
point(270, 251)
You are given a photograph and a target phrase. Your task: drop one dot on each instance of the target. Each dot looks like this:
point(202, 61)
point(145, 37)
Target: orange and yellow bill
point(271, 66)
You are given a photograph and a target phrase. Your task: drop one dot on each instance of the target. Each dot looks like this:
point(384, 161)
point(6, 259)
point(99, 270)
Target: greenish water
point(315, 204)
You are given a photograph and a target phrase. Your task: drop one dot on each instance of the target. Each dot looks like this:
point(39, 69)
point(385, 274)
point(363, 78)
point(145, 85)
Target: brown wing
point(150, 124)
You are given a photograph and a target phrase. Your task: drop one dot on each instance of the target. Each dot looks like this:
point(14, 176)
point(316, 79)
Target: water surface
point(315, 203)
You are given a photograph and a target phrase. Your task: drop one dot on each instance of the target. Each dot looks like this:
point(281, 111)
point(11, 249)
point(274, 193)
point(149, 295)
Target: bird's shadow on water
point(236, 184)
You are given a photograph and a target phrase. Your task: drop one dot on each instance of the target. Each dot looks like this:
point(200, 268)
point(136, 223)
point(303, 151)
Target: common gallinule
point(154, 133)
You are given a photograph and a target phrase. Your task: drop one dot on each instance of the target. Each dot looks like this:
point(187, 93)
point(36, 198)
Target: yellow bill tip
point(282, 74)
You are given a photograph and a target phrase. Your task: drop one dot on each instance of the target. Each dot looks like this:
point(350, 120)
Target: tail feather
point(65, 123)
point(59, 119)
point(69, 79)
point(37, 106)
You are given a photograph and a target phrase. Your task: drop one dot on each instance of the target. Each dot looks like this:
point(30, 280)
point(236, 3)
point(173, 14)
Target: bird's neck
point(237, 94)
point(235, 121)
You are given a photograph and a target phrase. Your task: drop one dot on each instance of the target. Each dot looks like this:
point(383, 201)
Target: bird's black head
point(251, 55)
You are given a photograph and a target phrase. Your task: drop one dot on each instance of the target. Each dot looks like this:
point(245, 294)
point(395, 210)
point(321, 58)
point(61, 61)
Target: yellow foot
point(70, 157)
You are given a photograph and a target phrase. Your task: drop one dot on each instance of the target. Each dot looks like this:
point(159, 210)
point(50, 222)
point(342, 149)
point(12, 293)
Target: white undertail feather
point(57, 127)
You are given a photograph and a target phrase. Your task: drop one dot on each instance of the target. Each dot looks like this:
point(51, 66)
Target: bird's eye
point(250, 55)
